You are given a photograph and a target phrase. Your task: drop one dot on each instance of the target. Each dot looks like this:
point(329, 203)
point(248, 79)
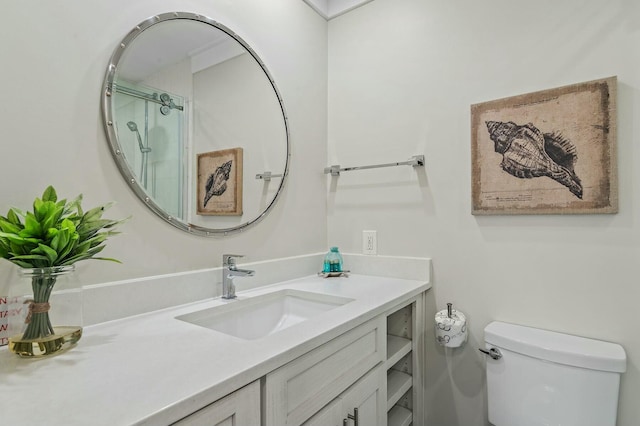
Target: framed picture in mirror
point(220, 183)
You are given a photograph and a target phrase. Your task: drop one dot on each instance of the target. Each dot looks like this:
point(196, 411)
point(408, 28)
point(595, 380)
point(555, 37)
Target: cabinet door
point(366, 400)
point(367, 396)
point(239, 408)
point(331, 415)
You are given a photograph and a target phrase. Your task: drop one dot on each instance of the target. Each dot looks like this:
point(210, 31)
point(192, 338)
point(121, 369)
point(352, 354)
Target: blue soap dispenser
point(332, 261)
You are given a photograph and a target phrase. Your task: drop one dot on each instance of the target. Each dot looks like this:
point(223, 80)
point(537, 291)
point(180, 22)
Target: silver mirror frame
point(116, 149)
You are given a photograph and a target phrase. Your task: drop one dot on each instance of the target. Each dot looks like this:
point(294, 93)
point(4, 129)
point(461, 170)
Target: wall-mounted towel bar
point(415, 161)
point(266, 176)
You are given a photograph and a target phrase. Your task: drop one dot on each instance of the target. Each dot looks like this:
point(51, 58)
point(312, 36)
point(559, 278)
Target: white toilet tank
point(544, 378)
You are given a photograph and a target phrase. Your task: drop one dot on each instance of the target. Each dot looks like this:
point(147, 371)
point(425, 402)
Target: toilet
point(543, 378)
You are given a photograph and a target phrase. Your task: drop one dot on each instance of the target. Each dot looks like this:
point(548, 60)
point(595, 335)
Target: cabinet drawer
point(296, 391)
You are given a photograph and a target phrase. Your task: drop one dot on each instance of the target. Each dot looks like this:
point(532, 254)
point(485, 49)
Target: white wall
point(54, 57)
point(402, 77)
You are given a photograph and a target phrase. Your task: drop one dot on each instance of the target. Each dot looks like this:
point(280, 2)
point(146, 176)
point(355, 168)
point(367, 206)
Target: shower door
point(151, 130)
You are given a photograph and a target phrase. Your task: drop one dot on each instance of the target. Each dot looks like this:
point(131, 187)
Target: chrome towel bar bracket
point(267, 176)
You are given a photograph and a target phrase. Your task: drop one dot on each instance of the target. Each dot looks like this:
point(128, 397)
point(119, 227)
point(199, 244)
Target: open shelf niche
point(400, 366)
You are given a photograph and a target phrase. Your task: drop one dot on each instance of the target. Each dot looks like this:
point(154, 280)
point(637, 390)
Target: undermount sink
point(260, 316)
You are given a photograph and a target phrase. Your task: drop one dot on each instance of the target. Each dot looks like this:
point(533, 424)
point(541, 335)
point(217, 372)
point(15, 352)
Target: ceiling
point(329, 9)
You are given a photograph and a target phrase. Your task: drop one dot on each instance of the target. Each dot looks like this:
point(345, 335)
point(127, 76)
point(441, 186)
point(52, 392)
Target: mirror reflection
point(196, 124)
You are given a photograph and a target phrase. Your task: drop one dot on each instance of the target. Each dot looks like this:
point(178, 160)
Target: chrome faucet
point(229, 272)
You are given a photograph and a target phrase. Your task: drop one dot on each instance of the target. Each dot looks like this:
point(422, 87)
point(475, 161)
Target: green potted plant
point(46, 243)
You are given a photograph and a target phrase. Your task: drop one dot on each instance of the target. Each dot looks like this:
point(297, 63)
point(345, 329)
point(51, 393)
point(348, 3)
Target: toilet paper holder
point(450, 327)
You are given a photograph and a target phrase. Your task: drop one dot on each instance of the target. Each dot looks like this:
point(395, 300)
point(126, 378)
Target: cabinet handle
point(345, 422)
point(353, 417)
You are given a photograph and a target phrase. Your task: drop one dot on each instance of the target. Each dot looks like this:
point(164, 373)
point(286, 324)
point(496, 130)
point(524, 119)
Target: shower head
point(134, 128)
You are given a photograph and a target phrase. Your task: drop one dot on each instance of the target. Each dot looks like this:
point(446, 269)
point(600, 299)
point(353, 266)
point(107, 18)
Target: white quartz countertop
point(155, 369)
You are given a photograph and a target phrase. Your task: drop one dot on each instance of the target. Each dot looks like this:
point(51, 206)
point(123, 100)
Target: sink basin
point(260, 316)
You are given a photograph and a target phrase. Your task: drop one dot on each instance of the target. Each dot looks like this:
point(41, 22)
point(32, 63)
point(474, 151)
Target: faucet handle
point(230, 259)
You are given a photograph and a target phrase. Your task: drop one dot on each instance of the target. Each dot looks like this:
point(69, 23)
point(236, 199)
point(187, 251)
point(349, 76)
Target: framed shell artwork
point(220, 182)
point(548, 152)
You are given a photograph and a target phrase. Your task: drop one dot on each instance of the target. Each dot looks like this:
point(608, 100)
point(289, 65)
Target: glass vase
point(46, 311)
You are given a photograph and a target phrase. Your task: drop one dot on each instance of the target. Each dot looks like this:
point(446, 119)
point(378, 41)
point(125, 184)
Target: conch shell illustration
point(528, 153)
point(217, 181)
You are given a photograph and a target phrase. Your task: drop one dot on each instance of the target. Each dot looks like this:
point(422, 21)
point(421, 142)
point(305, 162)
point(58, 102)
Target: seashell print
point(217, 181)
point(528, 153)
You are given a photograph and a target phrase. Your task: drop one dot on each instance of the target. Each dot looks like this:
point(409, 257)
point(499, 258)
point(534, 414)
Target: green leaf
point(88, 254)
point(44, 210)
point(52, 217)
point(97, 239)
point(4, 249)
point(59, 238)
point(110, 259)
point(68, 225)
point(7, 226)
point(13, 217)
point(37, 203)
point(18, 240)
point(82, 247)
point(15, 249)
point(93, 214)
point(32, 226)
point(52, 233)
point(71, 244)
point(51, 254)
point(76, 258)
point(30, 257)
point(95, 250)
point(23, 264)
point(88, 229)
point(49, 194)
point(74, 206)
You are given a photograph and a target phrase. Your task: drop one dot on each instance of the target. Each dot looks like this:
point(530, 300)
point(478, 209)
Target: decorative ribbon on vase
point(36, 308)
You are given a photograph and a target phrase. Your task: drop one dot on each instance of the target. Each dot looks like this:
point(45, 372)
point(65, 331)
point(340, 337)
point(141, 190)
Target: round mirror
point(196, 124)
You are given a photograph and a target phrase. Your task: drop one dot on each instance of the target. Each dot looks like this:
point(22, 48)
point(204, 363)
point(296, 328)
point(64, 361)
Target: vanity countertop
point(155, 369)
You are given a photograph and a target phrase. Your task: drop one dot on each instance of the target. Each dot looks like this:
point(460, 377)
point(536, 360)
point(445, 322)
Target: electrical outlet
point(369, 242)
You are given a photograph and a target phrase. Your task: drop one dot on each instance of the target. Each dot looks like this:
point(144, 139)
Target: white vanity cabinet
point(372, 373)
point(242, 407)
